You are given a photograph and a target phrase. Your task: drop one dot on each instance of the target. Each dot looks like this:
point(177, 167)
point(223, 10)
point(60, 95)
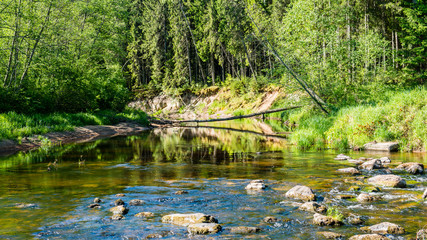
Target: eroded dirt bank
point(81, 134)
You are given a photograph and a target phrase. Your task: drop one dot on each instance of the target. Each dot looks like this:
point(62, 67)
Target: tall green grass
point(400, 116)
point(15, 126)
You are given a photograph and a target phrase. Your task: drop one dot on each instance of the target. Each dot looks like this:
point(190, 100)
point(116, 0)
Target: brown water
point(213, 165)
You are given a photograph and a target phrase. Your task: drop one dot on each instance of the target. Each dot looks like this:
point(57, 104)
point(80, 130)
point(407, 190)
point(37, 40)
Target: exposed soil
point(81, 134)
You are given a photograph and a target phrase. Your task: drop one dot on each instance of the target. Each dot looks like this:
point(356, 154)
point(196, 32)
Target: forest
point(73, 56)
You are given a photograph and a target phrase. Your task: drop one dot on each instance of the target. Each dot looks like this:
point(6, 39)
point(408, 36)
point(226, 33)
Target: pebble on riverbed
point(384, 228)
point(301, 192)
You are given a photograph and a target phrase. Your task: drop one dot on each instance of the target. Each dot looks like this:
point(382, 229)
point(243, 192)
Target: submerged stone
point(25, 205)
point(187, 219)
point(144, 214)
point(364, 197)
point(388, 181)
point(204, 228)
point(384, 228)
point(350, 170)
point(355, 219)
point(243, 230)
point(119, 202)
point(181, 192)
point(270, 219)
point(117, 217)
point(342, 157)
point(301, 192)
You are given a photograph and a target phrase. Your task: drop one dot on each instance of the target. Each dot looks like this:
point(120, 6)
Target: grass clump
point(15, 126)
point(335, 214)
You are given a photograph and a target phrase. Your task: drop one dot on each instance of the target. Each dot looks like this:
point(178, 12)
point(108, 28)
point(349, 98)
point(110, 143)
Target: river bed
point(213, 165)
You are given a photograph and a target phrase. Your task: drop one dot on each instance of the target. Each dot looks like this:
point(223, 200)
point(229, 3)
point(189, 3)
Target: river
point(213, 165)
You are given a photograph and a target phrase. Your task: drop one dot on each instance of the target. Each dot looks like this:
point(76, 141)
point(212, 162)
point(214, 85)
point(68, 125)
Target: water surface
point(213, 164)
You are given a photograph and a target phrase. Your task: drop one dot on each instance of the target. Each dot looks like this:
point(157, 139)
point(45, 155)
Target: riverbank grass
point(14, 126)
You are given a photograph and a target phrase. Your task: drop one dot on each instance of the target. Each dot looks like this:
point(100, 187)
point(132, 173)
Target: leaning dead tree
point(165, 121)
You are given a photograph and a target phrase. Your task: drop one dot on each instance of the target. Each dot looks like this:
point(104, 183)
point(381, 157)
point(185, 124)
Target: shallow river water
point(214, 165)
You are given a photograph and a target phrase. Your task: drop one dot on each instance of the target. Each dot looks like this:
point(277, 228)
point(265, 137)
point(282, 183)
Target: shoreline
point(79, 135)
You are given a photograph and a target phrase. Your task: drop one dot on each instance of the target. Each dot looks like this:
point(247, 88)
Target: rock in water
point(97, 200)
point(136, 202)
point(270, 219)
point(425, 194)
point(368, 237)
point(117, 217)
point(301, 192)
point(181, 192)
point(385, 146)
point(204, 228)
point(119, 202)
point(187, 219)
point(323, 220)
point(144, 214)
point(94, 205)
point(350, 170)
point(119, 210)
point(422, 234)
point(388, 181)
point(412, 167)
point(355, 219)
point(330, 235)
point(256, 185)
point(243, 230)
point(313, 207)
point(371, 165)
point(342, 157)
point(385, 160)
point(385, 228)
point(364, 197)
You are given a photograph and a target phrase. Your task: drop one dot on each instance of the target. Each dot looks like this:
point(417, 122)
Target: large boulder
point(323, 220)
point(384, 228)
point(204, 228)
point(350, 170)
point(313, 207)
point(368, 237)
point(385, 146)
point(187, 219)
point(330, 235)
point(371, 164)
point(412, 167)
point(256, 185)
point(389, 180)
point(301, 192)
point(243, 229)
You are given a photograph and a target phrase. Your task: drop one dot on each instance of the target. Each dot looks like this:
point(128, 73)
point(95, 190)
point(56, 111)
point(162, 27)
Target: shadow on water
point(212, 163)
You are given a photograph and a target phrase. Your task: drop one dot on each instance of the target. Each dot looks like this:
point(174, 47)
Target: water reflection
point(212, 164)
